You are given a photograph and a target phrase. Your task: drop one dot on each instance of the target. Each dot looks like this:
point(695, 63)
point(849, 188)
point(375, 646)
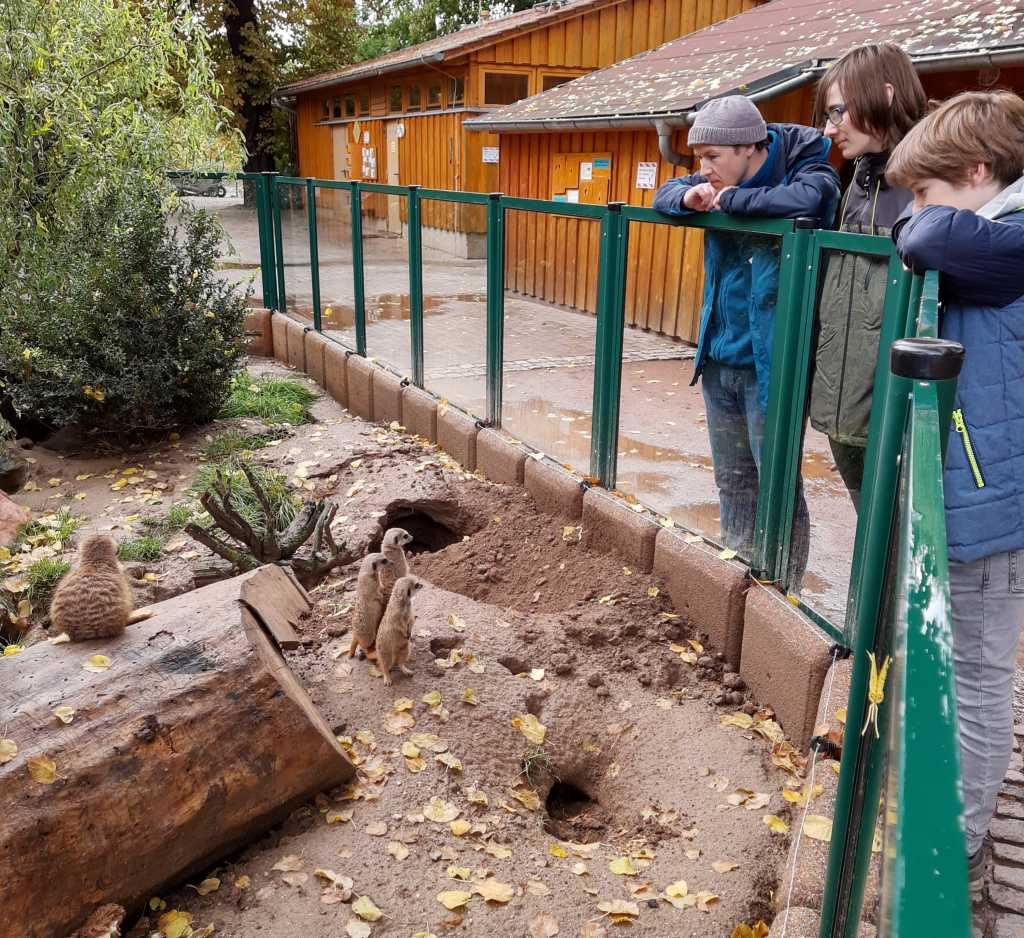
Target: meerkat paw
point(407, 671)
point(387, 680)
point(140, 615)
point(371, 655)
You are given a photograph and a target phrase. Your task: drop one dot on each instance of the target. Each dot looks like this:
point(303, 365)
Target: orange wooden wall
point(555, 259)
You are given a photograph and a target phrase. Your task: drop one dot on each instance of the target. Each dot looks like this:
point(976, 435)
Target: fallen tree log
point(193, 740)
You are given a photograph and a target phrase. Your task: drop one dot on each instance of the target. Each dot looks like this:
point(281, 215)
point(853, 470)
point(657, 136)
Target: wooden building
point(399, 118)
point(611, 119)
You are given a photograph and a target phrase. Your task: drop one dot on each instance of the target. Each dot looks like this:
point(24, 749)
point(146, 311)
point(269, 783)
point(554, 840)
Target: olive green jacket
point(850, 307)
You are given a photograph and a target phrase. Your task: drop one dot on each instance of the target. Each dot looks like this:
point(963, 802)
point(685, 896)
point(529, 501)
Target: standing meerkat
point(394, 639)
point(393, 547)
point(95, 599)
point(371, 598)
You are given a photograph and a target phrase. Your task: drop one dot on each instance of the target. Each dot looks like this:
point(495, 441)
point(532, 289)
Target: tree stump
point(194, 740)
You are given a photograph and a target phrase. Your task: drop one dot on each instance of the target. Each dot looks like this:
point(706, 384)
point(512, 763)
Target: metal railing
point(898, 603)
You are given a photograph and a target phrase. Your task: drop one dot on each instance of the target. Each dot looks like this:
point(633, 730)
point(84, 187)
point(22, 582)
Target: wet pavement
point(664, 456)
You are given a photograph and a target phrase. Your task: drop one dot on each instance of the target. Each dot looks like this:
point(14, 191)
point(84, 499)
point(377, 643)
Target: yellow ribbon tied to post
point(876, 691)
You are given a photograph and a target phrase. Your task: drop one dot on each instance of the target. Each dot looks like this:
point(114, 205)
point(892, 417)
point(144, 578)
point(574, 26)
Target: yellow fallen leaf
point(742, 930)
point(403, 703)
point(397, 849)
point(11, 650)
point(775, 824)
point(356, 929)
point(366, 737)
point(398, 723)
point(242, 882)
point(175, 924)
point(432, 699)
point(619, 907)
point(705, 899)
point(453, 899)
point(156, 904)
point(526, 797)
point(416, 764)
point(724, 866)
point(64, 713)
point(544, 925)
point(338, 817)
point(677, 890)
point(212, 884)
point(652, 591)
point(365, 909)
point(727, 554)
point(469, 697)
point(530, 727)
point(742, 720)
point(447, 759)
point(456, 623)
point(8, 750)
point(441, 812)
point(623, 866)
point(818, 828)
point(493, 891)
point(841, 714)
point(96, 663)
point(288, 864)
point(459, 872)
point(410, 750)
point(557, 850)
point(460, 827)
point(579, 868)
point(475, 796)
point(377, 828)
point(498, 851)
point(41, 769)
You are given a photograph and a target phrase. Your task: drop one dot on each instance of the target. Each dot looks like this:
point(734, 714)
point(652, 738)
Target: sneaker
point(976, 875)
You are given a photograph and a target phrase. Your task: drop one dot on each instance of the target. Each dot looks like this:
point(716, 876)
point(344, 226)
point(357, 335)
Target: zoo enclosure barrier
point(902, 731)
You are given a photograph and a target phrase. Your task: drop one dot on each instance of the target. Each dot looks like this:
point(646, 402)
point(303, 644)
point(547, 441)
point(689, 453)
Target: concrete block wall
point(259, 337)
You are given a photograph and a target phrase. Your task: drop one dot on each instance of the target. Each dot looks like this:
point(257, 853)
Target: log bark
point(195, 740)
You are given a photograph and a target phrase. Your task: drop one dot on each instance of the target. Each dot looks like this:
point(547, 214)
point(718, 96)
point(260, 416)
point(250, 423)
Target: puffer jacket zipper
point(960, 425)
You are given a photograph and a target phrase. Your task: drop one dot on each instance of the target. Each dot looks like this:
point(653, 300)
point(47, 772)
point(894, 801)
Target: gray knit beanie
point(729, 121)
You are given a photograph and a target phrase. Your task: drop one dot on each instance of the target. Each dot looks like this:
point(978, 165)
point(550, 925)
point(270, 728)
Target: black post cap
point(926, 359)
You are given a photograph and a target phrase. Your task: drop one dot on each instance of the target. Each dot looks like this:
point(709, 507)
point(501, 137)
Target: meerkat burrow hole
point(429, 533)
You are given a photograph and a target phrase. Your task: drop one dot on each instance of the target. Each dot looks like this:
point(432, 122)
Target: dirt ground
point(629, 783)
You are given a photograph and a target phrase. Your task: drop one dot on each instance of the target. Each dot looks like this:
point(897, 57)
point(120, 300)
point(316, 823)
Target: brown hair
point(862, 74)
point(975, 127)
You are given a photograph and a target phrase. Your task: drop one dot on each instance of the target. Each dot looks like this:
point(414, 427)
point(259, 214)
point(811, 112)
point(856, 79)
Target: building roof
point(762, 52)
point(453, 45)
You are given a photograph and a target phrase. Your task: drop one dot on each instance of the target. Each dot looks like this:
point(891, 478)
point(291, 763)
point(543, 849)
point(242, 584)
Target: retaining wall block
point(316, 348)
point(611, 526)
point(296, 343)
point(336, 372)
point(261, 343)
point(279, 336)
point(360, 386)
point(784, 661)
point(456, 435)
point(387, 397)
point(710, 593)
point(499, 458)
point(553, 489)
point(419, 413)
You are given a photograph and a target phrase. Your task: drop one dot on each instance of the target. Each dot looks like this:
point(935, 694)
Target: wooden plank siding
point(664, 279)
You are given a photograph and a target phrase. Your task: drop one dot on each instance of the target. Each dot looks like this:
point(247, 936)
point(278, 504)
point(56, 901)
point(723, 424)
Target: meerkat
point(371, 598)
point(393, 547)
point(394, 639)
point(95, 599)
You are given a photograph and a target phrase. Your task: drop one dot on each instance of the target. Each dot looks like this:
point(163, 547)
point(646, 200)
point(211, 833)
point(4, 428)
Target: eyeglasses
point(836, 114)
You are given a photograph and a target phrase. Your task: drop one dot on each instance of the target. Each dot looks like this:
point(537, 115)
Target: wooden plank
point(606, 40)
point(504, 52)
point(659, 251)
point(641, 10)
point(673, 13)
point(521, 50)
point(591, 29)
point(539, 47)
point(556, 44)
point(656, 24)
point(687, 17)
point(692, 290)
point(623, 30)
point(703, 14)
point(274, 598)
point(574, 41)
point(531, 219)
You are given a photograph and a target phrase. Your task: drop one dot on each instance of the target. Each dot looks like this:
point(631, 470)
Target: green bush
point(133, 330)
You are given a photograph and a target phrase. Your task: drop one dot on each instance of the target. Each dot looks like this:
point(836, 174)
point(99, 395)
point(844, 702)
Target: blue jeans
point(736, 428)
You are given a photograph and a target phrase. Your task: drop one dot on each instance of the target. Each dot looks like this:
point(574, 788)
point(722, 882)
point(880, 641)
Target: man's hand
point(717, 204)
point(700, 198)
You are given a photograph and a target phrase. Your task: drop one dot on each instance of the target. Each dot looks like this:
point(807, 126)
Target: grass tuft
point(55, 530)
point(142, 549)
point(43, 577)
point(284, 503)
point(273, 400)
point(233, 443)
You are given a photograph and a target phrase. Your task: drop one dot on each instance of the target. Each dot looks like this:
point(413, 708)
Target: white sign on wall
point(646, 175)
point(491, 154)
point(586, 172)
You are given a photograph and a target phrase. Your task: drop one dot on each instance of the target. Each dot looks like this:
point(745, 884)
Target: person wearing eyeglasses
point(865, 104)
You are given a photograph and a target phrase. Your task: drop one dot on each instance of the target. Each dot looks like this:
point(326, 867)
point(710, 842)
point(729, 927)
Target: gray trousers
point(988, 609)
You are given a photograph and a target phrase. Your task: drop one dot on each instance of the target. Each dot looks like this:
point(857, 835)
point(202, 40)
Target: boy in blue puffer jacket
point(751, 168)
point(964, 165)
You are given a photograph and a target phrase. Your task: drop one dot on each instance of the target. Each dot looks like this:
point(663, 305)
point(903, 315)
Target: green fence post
point(780, 451)
point(358, 288)
point(495, 306)
point(265, 224)
point(415, 285)
point(314, 253)
point(611, 278)
point(860, 779)
point(275, 204)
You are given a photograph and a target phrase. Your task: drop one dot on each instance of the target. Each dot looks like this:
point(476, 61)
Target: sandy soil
point(517, 623)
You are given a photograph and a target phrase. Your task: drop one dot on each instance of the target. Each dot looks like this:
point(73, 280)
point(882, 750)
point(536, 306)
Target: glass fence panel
point(334, 246)
point(233, 203)
point(455, 302)
point(550, 333)
point(386, 278)
point(298, 285)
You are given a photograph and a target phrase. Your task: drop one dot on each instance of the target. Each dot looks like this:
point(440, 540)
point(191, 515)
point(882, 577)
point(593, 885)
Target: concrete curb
point(360, 386)
point(611, 526)
point(456, 435)
point(316, 350)
point(498, 458)
point(262, 344)
point(419, 413)
point(336, 372)
point(551, 487)
point(784, 660)
point(279, 337)
point(296, 333)
point(709, 592)
point(387, 397)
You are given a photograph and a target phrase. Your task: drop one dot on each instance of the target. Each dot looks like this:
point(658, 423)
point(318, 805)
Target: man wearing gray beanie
point(747, 167)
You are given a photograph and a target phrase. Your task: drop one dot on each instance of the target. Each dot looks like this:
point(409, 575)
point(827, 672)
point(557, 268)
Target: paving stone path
point(1003, 915)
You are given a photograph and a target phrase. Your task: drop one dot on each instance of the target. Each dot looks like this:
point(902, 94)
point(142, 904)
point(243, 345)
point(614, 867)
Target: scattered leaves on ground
point(42, 770)
point(817, 827)
point(530, 727)
point(366, 910)
point(453, 898)
point(96, 663)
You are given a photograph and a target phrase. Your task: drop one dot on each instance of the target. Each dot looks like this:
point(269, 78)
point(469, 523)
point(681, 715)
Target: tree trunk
point(195, 739)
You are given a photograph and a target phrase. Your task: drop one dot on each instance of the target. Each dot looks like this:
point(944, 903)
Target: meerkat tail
point(140, 615)
point(352, 648)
